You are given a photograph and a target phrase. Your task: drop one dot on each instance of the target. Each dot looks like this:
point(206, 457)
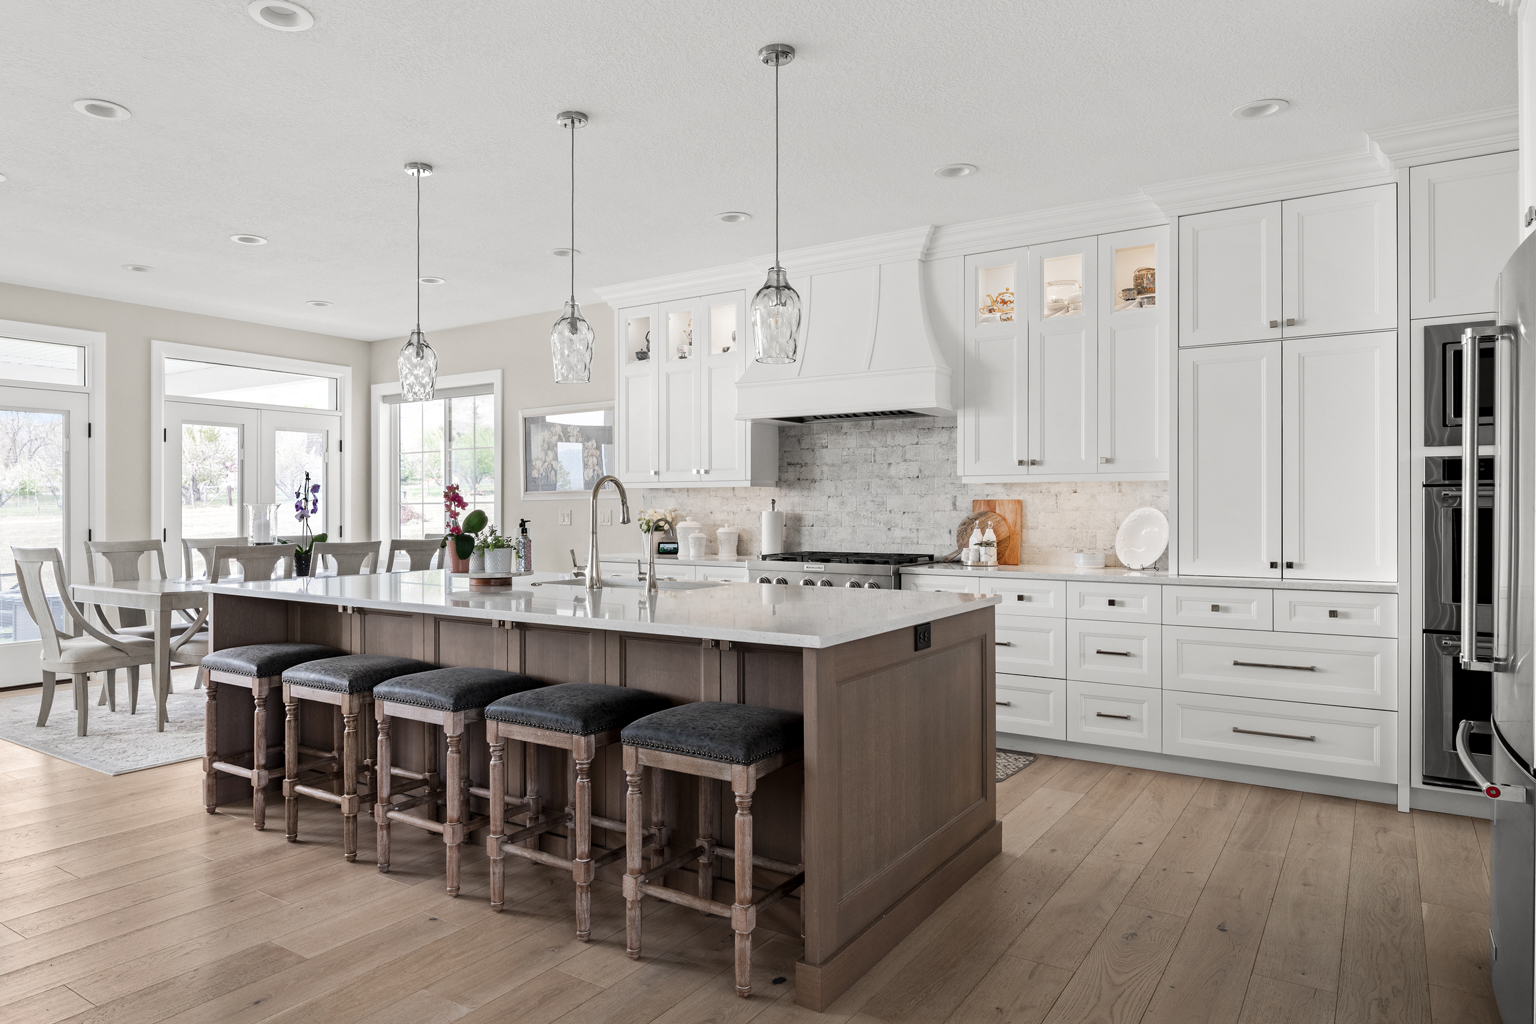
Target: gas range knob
point(782, 581)
point(855, 584)
point(807, 582)
point(871, 585)
point(765, 579)
point(824, 583)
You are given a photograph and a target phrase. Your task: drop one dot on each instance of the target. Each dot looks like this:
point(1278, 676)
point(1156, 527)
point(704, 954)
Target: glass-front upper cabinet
point(996, 298)
point(1133, 266)
point(679, 333)
point(1061, 285)
point(637, 334)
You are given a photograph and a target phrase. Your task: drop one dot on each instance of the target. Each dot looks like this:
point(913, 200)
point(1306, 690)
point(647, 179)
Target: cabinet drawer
point(1122, 602)
point(1348, 743)
point(1226, 607)
point(1028, 597)
point(1351, 671)
point(1032, 706)
point(1115, 716)
point(1320, 611)
point(726, 573)
point(1114, 652)
point(939, 584)
point(1035, 647)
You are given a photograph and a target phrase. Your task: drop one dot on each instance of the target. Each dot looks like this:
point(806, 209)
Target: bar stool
point(577, 718)
point(257, 668)
point(449, 698)
point(346, 684)
point(717, 742)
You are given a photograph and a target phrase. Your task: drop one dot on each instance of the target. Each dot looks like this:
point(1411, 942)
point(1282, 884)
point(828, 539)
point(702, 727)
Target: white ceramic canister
point(698, 544)
point(726, 539)
point(684, 529)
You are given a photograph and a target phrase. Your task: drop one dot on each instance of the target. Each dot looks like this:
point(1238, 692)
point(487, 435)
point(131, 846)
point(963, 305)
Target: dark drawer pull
point(1215, 607)
point(1003, 643)
point(1277, 735)
point(1118, 654)
point(1100, 714)
point(1110, 602)
point(1262, 664)
point(1005, 703)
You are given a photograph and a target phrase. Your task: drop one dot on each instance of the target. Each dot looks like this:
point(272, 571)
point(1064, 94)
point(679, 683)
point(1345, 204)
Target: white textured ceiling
point(301, 136)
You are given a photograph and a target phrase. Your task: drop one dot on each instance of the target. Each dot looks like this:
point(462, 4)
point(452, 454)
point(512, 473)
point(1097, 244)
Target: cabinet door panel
point(638, 422)
point(1063, 399)
point(1341, 262)
point(992, 424)
point(1133, 399)
point(1229, 460)
point(679, 409)
point(1463, 226)
point(1341, 458)
point(1229, 275)
point(723, 453)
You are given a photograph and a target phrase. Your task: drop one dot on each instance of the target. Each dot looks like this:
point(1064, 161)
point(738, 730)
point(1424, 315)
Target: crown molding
point(1366, 166)
point(1450, 138)
point(1102, 216)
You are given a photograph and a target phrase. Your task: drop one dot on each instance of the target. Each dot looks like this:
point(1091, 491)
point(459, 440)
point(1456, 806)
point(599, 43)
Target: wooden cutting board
point(1012, 510)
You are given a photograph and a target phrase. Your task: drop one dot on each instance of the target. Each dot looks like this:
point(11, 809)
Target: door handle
point(1277, 735)
point(1003, 643)
point(1005, 703)
point(1118, 654)
point(1264, 664)
point(1101, 714)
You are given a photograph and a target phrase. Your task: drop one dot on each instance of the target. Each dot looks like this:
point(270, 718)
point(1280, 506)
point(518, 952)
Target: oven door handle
point(1491, 790)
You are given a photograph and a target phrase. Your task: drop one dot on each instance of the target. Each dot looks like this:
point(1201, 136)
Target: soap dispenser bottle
point(989, 547)
point(973, 547)
point(524, 547)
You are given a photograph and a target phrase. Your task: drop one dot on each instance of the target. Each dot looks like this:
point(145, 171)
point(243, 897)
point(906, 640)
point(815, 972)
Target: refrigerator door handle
point(1469, 481)
point(1463, 753)
point(1504, 511)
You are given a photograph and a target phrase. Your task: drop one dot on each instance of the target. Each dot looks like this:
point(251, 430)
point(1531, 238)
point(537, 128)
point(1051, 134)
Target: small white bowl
point(1088, 559)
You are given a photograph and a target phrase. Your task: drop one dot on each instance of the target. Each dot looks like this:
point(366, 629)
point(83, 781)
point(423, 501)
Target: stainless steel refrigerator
point(1506, 651)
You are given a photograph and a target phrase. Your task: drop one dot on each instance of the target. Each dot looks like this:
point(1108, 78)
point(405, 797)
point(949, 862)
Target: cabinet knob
point(703, 472)
point(1215, 607)
point(655, 472)
point(1333, 613)
point(1103, 459)
point(1274, 565)
point(1290, 321)
point(1034, 462)
point(1110, 602)
point(1274, 323)
point(1290, 565)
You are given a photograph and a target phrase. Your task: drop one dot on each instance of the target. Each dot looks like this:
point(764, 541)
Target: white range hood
point(866, 348)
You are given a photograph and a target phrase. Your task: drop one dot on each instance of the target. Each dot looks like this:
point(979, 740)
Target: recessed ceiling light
point(565, 253)
point(104, 110)
point(955, 171)
point(433, 280)
point(137, 268)
point(317, 303)
point(1261, 108)
point(248, 239)
point(281, 15)
point(2, 177)
point(732, 217)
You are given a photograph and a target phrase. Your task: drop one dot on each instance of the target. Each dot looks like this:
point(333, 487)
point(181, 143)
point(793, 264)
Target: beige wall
point(520, 349)
point(129, 329)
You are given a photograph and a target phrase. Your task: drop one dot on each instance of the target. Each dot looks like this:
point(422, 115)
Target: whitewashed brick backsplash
point(891, 485)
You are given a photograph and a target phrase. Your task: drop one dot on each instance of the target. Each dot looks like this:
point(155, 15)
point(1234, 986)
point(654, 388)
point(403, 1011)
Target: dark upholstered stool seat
point(581, 709)
point(352, 673)
point(453, 689)
point(715, 731)
point(262, 661)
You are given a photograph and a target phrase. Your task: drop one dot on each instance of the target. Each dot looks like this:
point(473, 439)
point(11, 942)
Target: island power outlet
point(922, 636)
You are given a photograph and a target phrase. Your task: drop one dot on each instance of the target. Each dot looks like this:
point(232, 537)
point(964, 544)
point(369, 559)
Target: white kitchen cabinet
point(1111, 715)
point(678, 366)
point(1464, 223)
point(1031, 706)
point(1229, 511)
point(721, 573)
point(993, 404)
point(1339, 519)
point(1229, 275)
point(1063, 393)
point(1340, 262)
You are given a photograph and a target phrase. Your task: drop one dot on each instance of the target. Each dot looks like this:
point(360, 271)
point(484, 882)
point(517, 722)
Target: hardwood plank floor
point(1122, 895)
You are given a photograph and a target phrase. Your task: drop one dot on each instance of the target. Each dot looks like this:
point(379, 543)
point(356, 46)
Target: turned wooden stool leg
point(453, 820)
point(290, 764)
point(570, 806)
point(338, 744)
point(50, 681)
point(381, 793)
point(350, 756)
point(634, 849)
point(498, 827)
point(657, 801)
point(133, 688)
point(259, 755)
point(210, 748)
point(743, 913)
point(535, 804)
point(581, 866)
point(434, 777)
point(709, 830)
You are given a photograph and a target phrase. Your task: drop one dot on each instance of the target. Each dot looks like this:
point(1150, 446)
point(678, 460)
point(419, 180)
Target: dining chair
point(419, 553)
point(256, 561)
point(204, 546)
point(80, 648)
point(349, 559)
point(123, 558)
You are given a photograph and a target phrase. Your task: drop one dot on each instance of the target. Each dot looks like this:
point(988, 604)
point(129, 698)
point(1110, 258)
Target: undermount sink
point(620, 584)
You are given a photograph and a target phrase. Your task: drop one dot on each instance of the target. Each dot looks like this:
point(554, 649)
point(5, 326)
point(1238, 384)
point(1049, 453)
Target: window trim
point(386, 455)
point(522, 446)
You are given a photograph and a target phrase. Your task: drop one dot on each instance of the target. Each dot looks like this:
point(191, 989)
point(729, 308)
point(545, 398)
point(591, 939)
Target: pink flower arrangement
point(453, 502)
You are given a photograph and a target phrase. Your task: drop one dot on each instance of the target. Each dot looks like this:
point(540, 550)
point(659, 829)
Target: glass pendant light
point(775, 309)
point(418, 363)
point(570, 340)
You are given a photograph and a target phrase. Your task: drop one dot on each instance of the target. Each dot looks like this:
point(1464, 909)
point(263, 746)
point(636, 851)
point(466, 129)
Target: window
point(42, 362)
point(566, 450)
point(451, 439)
point(247, 385)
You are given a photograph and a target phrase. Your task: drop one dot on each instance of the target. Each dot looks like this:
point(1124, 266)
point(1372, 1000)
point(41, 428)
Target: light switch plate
point(605, 517)
point(565, 517)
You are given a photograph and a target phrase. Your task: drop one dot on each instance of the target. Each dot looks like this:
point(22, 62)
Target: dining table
point(159, 600)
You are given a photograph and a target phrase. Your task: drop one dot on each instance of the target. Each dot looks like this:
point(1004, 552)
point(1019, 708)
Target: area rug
point(118, 742)
point(1011, 762)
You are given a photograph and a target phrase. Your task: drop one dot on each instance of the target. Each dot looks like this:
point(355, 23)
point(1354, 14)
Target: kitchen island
point(892, 809)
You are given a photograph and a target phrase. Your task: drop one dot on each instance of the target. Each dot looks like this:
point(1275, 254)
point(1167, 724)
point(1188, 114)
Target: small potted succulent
point(459, 540)
point(306, 502)
point(497, 551)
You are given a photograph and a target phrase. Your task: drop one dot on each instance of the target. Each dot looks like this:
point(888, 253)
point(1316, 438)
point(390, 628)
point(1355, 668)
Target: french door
point(44, 502)
point(220, 458)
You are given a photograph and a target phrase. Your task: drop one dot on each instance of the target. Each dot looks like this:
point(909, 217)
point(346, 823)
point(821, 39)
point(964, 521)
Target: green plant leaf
point(464, 544)
point(475, 522)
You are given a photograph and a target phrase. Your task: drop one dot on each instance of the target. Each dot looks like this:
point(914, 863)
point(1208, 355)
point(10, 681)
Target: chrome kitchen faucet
point(594, 572)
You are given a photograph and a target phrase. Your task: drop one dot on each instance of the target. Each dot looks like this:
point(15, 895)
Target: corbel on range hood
point(866, 346)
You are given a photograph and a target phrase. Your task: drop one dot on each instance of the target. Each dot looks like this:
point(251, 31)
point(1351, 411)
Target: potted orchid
point(460, 538)
point(306, 502)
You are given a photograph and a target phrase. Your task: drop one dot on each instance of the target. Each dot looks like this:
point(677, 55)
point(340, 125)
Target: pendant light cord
point(573, 209)
point(776, 162)
point(418, 249)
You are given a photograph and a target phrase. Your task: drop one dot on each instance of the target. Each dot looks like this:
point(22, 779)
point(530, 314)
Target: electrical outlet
point(565, 517)
point(605, 517)
point(922, 636)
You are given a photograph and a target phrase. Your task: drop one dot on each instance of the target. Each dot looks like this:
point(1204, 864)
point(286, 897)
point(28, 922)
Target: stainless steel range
point(867, 570)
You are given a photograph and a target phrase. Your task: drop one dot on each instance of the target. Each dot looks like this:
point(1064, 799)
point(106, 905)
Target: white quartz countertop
point(631, 558)
point(1123, 575)
point(758, 613)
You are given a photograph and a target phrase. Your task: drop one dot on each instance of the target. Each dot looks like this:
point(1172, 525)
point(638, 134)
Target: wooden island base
point(891, 811)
